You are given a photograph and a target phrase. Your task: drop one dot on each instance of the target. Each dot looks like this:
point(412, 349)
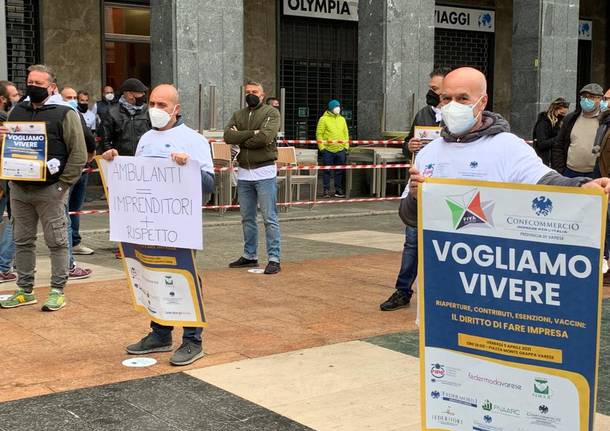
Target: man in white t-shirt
point(477, 144)
point(171, 138)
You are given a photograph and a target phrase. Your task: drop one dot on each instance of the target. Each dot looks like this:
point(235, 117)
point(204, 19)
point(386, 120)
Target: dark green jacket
point(256, 150)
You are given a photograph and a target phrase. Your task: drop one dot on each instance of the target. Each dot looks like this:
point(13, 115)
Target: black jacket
point(102, 107)
point(424, 117)
point(559, 151)
point(545, 137)
point(122, 131)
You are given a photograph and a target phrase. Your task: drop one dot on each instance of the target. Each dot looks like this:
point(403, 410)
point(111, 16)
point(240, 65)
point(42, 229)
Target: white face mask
point(459, 118)
point(337, 110)
point(159, 118)
point(109, 96)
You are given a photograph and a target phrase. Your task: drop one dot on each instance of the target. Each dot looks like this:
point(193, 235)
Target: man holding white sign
point(170, 138)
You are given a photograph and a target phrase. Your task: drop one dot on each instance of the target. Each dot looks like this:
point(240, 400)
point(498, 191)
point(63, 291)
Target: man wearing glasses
point(573, 155)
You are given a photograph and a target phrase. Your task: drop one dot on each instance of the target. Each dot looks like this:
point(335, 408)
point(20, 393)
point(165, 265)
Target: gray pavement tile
point(270, 423)
point(111, 409)
point(172, 402)
point(145, 423)
point(403, 342)
point(31, 418)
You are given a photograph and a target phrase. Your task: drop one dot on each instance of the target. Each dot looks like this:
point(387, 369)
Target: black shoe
point(187, 353)
point(339, 194)
point(273, 268)
point(398, 300)
point(242, 262)
point(326, 194)
point(149, 344)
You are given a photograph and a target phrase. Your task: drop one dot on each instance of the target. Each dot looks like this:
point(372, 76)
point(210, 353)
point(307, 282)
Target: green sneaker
point(19, 298)
point(55, 301)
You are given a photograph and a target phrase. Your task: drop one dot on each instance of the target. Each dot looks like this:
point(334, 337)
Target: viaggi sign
point(457, 18)
point(328, 9)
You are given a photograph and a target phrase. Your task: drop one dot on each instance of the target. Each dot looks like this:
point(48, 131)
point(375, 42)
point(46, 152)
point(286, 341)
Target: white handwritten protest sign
point(154, 201)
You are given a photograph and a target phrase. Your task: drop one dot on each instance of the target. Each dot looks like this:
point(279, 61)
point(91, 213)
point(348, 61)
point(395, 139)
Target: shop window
point(126, 43)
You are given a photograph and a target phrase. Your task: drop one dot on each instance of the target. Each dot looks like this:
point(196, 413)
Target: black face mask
point(432, 99)
point(560, 117)
point(37, 94)
point(252, 100)
point(83, 107)
point(140, 100)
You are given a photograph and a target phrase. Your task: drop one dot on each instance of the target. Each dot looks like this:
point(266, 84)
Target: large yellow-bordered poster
point(164, 281)
point(510, 303)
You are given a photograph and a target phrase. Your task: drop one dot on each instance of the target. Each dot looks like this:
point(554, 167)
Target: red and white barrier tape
point(326, 167)
point(282, 204)
point(315, 142)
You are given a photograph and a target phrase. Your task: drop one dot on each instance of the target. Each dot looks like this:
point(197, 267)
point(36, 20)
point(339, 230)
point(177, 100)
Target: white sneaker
point(604, 266)
point(81, 250)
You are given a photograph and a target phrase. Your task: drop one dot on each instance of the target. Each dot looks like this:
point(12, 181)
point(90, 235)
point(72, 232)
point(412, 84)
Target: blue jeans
point(573, 174)
point(165, 333)
point(7, 245)
point(329, 158)
point(408, 266)
point(75, 203)
point(263, 192)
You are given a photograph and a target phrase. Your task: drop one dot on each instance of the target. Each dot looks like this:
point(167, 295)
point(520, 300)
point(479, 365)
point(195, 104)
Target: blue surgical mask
point(73, 103)
point(603, 105)
point(587, 105)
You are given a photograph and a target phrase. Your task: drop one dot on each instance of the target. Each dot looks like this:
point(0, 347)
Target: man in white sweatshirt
point(477, 145)
point(171, 138)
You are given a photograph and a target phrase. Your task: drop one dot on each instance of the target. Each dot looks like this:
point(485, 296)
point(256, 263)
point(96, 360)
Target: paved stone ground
point(63, 370)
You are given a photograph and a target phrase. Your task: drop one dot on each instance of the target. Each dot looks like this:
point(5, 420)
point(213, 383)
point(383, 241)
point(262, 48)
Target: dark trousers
point(165, 332)
point(329, 158)
point(77, 199)
point(408, 266)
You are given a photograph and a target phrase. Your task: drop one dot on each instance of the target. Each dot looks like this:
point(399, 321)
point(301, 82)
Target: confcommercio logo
point(542, 206)
point(467, 209)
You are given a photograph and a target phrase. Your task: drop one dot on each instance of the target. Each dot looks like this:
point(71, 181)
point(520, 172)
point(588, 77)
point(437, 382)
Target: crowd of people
point(569, 150)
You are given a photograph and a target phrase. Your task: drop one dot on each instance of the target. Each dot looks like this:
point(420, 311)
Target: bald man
point(476, 145)
point(171, 138)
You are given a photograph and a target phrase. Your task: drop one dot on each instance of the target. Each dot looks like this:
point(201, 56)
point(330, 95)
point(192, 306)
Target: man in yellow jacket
point(333, 142)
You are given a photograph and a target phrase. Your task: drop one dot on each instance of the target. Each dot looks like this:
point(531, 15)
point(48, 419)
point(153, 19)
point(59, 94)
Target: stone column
point(395, 57)
point(260, 46)
point(545, 58)
point(200, 42)
point(71, 43)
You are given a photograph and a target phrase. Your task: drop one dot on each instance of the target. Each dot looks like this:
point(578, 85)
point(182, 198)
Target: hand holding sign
point(180, 158)
point(154, 202)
